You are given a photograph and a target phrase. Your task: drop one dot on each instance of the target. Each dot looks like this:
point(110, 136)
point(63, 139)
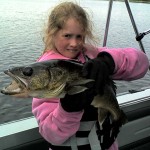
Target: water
point(21, 30)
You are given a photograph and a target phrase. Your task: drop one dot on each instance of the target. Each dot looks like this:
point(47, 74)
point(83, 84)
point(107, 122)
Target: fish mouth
point(17, 86)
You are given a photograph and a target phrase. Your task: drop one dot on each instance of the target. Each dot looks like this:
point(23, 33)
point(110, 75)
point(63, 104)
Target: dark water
point(21, 29)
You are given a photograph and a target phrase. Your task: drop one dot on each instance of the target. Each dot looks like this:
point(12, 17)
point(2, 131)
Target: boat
point(23, 134)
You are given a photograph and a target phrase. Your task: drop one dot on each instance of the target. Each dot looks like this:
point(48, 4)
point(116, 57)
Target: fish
point(56, 78)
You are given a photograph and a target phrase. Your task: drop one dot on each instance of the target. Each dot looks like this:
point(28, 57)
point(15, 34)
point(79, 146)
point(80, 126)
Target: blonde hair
point(57, 18)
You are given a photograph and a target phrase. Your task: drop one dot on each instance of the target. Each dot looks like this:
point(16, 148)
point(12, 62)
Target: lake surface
point(21, 29)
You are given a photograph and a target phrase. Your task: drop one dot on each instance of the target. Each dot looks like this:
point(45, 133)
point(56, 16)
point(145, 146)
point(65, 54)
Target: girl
point(70, 123)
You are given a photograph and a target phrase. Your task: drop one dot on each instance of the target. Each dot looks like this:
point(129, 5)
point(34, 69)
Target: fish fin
point(123, 117)
point(102, 114)
point(76, 89)
point(81, 82)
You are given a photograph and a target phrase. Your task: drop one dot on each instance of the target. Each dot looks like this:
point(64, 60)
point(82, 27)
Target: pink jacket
point(57, 125)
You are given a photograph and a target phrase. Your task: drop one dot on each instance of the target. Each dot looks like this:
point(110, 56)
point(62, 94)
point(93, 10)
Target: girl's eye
point(70, 36)
point(79, 37)
point(67, 35)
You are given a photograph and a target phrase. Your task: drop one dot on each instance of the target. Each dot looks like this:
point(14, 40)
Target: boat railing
point(138, 37)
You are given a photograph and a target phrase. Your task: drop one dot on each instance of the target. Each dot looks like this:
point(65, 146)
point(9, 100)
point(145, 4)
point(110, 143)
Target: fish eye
point(27, 71)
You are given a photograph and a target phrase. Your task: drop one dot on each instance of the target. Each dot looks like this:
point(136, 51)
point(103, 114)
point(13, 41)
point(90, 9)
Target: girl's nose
point(74, 42)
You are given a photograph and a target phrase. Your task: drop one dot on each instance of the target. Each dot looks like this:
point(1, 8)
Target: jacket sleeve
point(55, 124)
point(130, 63)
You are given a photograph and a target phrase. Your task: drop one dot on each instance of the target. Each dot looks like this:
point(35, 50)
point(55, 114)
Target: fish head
point(27, 80)
point(46, 79)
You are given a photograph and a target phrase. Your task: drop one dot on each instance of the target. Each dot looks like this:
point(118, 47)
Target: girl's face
point(69, 40)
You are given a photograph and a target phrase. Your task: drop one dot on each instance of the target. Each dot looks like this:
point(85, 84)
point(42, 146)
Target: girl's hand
point(99, 69)
point(77, 102)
